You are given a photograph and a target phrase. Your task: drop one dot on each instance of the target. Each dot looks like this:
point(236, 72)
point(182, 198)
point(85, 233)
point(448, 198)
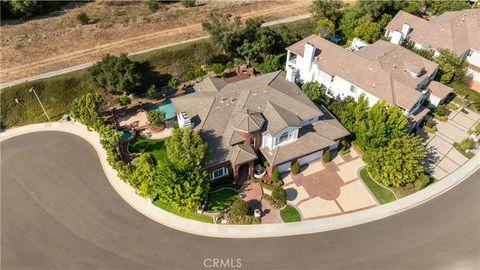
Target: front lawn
point(221, 199)
point(382, 194)
point(190, 215)
point(290, 214)
point(154, 147)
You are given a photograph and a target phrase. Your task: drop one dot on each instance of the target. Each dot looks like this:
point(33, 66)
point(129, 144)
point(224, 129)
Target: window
point(353, 89)
point(330, 92)
point(283, 138)
point(219, 173)
point(252, 142)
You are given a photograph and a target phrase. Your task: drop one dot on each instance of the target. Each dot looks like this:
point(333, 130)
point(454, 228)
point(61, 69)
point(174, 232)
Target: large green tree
point(143, 176)
point(325, 28)
point(397, 163)
point(184, 189)
point(451, 67)
point(116, 74)
point(186, 149)
point(368, 31)
point(327, 9)
point(85, 109)
point(313, 91)
point(439, 7)
point(382, 124)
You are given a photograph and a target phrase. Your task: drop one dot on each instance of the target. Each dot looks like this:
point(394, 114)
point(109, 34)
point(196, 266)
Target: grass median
point(190, 215)
point(290, 214)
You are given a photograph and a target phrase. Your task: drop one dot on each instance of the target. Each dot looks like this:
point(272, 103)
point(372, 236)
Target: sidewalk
point(247, 231)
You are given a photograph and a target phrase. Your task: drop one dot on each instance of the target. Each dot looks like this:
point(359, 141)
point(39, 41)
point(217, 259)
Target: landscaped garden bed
point(154, 147)
point(290, 214)
point(382, 194)
point(190, 215)
point(221, 199)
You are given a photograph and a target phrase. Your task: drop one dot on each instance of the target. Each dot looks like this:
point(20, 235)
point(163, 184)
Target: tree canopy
point(313, 91)
point(116, 74)
point(327, 9)
point(85, 109)
point(186, 149)
point(451, 67)
point(368, 31)
point(439, 7)
point(325, 28)
point(397, 163)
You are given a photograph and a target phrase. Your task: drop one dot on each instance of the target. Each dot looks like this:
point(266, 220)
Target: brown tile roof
point(380, 69)
point(311, 138)
point(419, 114)
point(454, 30)
point(215, 112)
point(439, 89)
point(279, 118)
point(247, 121)
point(241, 153)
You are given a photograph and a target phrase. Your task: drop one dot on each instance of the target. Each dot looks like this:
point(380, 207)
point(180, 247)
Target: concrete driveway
point(328, 189)
point(442, 158)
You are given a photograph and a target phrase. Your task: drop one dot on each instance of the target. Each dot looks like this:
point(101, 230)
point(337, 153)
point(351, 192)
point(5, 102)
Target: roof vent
point(223, 99)
point(233, 99)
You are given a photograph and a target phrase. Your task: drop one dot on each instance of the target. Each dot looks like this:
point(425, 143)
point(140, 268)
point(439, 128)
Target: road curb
point(248, 231)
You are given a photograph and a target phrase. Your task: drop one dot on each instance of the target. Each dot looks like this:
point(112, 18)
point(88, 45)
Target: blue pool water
point(167, 107)
point(126, 134)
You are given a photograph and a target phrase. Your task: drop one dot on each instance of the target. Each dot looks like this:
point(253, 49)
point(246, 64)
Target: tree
point(153, 5)
point(295, 168)
point(217, 68)
point(451, 67)
point(383, 124)
point(109, 138)
point(25, 8)
point(397, 163)
point(156, 118)
point(189, 75)
point(327, 9)
point(143, 176)
point(83, 18)
point(188, 3)
point(248, 51)
point(116, 74)
point(173, 83)
point(350, 112)
point(85, 109)
point(325, 28)
point(279, 194)
point(313, 91)
point(413, 7)
point(152, 90)
point(352, 17)
point(439, 7)
point(270, 63)
point(184, 189)
point(186, 149)
point(384, 20)
point(369, 31)
point(124, 100)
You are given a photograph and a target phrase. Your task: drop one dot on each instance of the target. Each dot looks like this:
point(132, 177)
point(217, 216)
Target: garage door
point(284, 167)
point(313, 156)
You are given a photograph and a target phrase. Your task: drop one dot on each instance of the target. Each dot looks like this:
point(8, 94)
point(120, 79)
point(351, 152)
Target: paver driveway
point(328, 189)
point(442, 158)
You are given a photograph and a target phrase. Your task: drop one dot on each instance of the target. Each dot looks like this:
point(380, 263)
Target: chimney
point(406, 30)
point(308, 55)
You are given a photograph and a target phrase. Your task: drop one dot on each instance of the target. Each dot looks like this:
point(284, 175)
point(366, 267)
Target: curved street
point(59, 211)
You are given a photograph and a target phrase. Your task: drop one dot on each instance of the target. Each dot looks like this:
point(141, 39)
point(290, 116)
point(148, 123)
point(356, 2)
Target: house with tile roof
point(264, 115)
point(380, 71)
point(458, 31)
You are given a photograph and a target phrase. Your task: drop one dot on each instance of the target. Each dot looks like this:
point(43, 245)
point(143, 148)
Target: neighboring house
point(262, 115)
point(380, 71)
point(458, 31)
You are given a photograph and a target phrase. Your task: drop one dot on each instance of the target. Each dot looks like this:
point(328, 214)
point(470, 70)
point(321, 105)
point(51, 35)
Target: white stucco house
point(458, 31)
point(380, 71)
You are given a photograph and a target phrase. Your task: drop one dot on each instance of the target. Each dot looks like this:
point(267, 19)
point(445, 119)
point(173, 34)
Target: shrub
point(422, 182)
point(173, 83)
point(441, 110)
point(452, 106)
point(295, 168)
point(201, 72)
point(279, 194)
point(229, 64)
point(153, 5)
point(429, 125)
point(239, 208)
point(327, 156)
point(189, 75)
point(152, 90)
point(124, 100)
point(83, 18)
point(344, 147)
point(188, 3)
point(116, 74)
point(276, 175)
point(156, 118)
point(217, 68)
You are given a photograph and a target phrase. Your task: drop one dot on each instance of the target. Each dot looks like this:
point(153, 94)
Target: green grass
point(468, 155)
point(190, 215)
point(289, 214)
point(382, 194)
point(56, 94)
point(472, 95)
point(154, 147)
point(219, 200)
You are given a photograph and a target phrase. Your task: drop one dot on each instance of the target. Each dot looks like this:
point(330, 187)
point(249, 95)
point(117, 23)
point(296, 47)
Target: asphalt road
point(58, 211)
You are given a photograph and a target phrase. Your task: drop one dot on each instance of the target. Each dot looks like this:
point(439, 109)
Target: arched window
point(283, 138)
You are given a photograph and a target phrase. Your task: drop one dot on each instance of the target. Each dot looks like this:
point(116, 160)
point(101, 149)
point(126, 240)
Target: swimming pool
point(166, 107)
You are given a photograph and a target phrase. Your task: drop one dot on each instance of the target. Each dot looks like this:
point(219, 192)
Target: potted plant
point(157, 120)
